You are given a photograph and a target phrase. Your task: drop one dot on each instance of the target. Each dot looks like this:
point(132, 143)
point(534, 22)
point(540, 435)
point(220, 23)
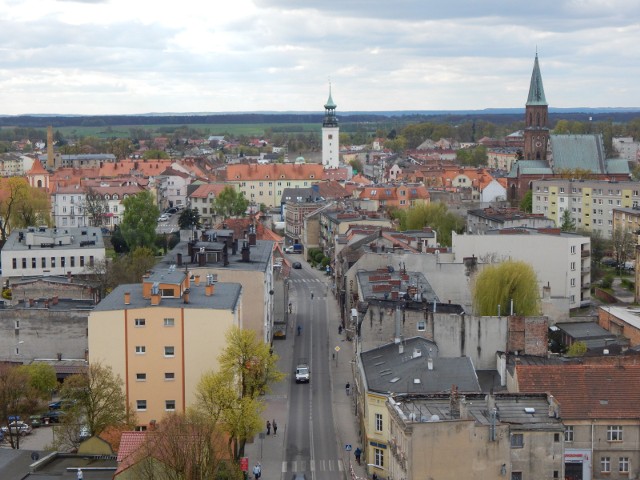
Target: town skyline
point(97, 57)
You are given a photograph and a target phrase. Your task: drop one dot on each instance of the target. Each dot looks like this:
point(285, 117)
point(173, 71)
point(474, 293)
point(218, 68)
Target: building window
point(140, 322)
point(573, 282)
point(73, 261)
point(605, 464)
point(44, 262)
point(141, 405)
point(556, 437)
point(614, 433)
point(422, 325)
point(141, 377)
point(141, 349)
point(82, 261)
point(169, 351)
point(573, 249)
point(516, 475)
point(568, 434)
point(378, 422)
point(169, 322)
point(53, 262)
point(573, 265)
point(169, 376)
point(517, 440)
point(33, 262)
point(378, 457)
point(170, 405)
point(623, 464)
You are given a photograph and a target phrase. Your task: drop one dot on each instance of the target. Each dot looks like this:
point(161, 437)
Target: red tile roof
point(203, 191)
point(586, 391)
point(241, 225)
point(129, 443)
point(274, 171)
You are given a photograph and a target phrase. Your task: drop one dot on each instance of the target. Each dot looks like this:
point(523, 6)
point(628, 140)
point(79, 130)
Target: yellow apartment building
point(160, 336)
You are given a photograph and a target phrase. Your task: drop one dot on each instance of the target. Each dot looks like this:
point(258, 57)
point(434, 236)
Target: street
point(311, 445)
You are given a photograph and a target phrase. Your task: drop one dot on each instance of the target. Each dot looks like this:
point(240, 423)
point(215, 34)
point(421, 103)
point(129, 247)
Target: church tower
point(536, 133)
point(330, 135)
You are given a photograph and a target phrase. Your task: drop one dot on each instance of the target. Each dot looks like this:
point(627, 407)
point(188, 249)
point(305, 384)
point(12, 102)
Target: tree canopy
point(189, 218)
point(230, 203)
point(567, 223)
point(21, 205)
point(139, 220)
point(435, 215)
point(498, 284)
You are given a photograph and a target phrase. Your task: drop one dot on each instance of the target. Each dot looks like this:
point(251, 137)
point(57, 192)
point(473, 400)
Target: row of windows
point(168, 377)
point(614, 433)
point(169, 350)
point(52, 263)
point(169, 405)
point(141, 322)
point(623, 464)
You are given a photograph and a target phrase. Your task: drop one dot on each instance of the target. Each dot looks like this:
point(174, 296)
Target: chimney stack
point(179, 259)
point(155, 298)
point(246, 252)
point(185, 295)
point(430, 363)
point(127, 298)
point(252, 238)
point(209, 289)
point(197, 280)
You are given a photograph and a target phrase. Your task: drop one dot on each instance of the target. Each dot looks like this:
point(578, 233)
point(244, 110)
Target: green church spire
point(536, 90)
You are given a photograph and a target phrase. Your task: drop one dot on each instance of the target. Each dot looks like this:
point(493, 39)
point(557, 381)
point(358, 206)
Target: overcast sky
point(140, 56)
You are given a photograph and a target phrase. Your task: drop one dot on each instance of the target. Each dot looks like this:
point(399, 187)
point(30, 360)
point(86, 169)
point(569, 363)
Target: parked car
point(61, 404)
point(163, 218)
point(171, 210)
point(296, 265)
point(18, 427)
point(52, 416)
point(35, 421)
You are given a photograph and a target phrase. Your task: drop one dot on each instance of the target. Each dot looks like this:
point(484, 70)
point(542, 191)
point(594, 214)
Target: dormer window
point(106, 197)
point(115, 196)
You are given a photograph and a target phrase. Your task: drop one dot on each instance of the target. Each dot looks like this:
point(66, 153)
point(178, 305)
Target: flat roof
point(54, 239)
point(371, 284)
point(630, 315)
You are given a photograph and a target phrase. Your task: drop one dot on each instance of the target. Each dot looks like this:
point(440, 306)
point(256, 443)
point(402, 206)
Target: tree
point(189, 218)
point(95, 207)
point(15, 198)
point(139, 220)
point(230, 203)
point(577, 349)
point(15, 396)
point(97, 400)
point(154, 155)
point(496, 286)
point(435, 215)
point(230, 397)
point(127, 268)
point(623, 242)
point(567, 223)
point(184, 447)
point(356, 165)
point(526, 204)
point(42, 378)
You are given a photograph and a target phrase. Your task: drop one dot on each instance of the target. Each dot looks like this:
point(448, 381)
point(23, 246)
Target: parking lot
point(38, 439)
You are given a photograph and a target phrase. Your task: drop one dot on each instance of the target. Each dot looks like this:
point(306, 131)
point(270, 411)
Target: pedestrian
point(339, 329)
point(375, 476)
point(268, 427)
point(275, 427)
point(80, 475)
point(299, 329)
point(289, 307)
point(257, 471)
point(347, 388)
point(357, 453)
point(311, 295)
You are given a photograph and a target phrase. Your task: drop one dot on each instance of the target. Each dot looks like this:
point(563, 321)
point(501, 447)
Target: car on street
point(35, 421)
point(296, 265)
point(163, 218)
point(171, 210)
point(17, 428)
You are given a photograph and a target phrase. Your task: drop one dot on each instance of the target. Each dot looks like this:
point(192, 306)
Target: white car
point(163, 218)
point(18, 427)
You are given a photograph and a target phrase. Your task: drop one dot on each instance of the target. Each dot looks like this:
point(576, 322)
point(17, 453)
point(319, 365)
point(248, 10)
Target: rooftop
point(392, 284)
point(67, 238)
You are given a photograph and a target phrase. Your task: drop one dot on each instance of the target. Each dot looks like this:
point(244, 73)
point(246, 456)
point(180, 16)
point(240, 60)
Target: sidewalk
point(270, 451)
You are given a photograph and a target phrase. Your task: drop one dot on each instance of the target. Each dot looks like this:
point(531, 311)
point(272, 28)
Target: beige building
point(162, 335)
point(264, 184)
point(473, 436)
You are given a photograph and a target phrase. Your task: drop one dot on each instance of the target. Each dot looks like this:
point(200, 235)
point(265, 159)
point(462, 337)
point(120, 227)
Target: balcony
point(585, 253)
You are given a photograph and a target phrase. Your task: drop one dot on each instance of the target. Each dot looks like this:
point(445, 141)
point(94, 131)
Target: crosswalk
point(305, 280)
point(312, 466)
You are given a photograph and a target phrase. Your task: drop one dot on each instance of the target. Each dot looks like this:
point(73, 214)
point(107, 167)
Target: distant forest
point(36, 121)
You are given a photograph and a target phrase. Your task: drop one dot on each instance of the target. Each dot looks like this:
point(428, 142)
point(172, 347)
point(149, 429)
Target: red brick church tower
point(536, 132)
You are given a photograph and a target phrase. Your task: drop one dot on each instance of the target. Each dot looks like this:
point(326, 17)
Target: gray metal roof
point(66, 238)
point(530, 167)
point(617, 165)
point(225, 297)
point(406, 281)
point(585, 330)
point(572, 152)
point(404, 368)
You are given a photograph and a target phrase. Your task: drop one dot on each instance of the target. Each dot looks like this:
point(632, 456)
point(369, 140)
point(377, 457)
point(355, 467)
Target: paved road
point(310, 443)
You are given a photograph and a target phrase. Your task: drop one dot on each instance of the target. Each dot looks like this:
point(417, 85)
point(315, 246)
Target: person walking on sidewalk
point(257, 471)
point(275, 427)
point(268, 427)
point(357, 454)
point(347, 388)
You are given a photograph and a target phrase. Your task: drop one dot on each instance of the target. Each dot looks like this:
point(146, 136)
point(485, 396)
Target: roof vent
point(529, 410)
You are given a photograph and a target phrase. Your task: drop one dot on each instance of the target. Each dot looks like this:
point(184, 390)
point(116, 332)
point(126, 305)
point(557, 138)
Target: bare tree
point(16, 398)
point(623, 241)
point(95, 207)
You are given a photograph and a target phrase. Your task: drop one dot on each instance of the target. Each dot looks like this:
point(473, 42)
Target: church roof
point(618, 165)
point(536, 90)
point(529, 167)
point(572, 152)
point(330, 103)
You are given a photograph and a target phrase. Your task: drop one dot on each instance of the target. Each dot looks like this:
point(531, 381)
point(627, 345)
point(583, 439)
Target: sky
point(97, 57)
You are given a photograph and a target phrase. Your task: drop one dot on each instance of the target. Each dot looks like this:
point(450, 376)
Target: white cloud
point(118, 56)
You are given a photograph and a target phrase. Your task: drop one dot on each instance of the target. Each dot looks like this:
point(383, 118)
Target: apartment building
point(561, 261)
point(264, 184)
point(43, 251)
point(591, 202)
point(481, 220)
point(201, 197)
point(161, 335)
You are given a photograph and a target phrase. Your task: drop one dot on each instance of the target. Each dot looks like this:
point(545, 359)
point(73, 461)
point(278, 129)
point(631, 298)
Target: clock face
point(538, 144)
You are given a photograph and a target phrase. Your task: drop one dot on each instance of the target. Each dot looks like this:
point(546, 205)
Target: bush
point(628, 284)
point(607, 281)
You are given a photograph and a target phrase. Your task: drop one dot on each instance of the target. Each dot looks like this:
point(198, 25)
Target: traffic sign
point(337, 349)
point(347, 447)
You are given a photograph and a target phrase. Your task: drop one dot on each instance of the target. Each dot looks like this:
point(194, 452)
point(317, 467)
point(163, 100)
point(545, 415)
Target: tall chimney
point(185, 295)
point(197, 280)
point(246, 252)
point(252, 238)
point(179, 259)
point(127, 298)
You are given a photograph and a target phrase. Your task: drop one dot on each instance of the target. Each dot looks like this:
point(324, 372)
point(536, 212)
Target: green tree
point(356, 165)
point(623, 242)
point(500, 284)
point(97, 400)
point(567, 223)
point(126, 268)
point(230, 203)
point(526, 204)
point(15, 395)
point(42, 378)
point(231, 396)
point(15, 198)
point(435, 215)
point(139, 220)
point(189, 218)
point(155, 154)
point(577, 349)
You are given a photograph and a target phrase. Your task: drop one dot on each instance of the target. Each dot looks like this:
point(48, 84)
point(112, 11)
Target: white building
point(42, 251)
point(172, 188)
point(627, 148)
point(562, 261)
point(330, 135)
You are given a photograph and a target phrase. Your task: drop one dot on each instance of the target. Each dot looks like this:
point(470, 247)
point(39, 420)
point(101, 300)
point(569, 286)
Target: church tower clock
point(536, 133)
point(330, 135)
